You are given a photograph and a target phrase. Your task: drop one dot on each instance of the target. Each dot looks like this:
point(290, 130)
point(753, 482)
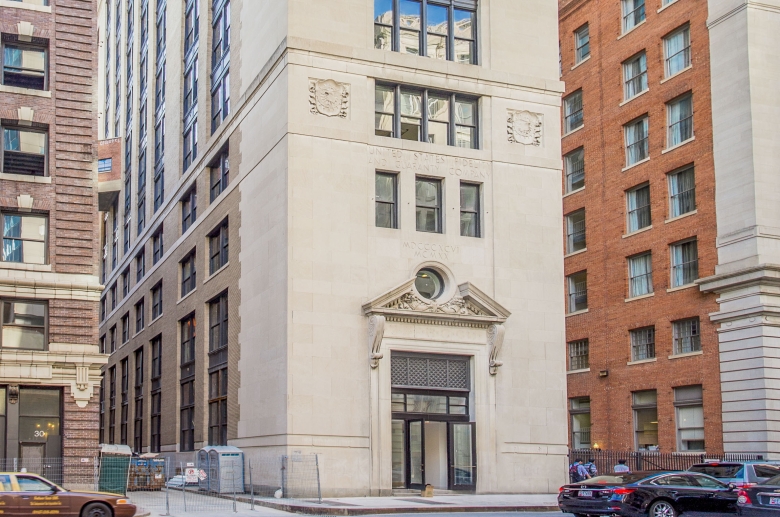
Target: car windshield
point(766, 471)
point(718, 470)
point(623, 479)
point(775, 481)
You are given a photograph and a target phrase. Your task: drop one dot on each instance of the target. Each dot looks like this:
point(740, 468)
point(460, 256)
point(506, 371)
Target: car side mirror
point(732, 487)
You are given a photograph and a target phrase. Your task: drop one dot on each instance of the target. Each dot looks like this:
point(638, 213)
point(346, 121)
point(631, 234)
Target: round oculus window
point(429, 283)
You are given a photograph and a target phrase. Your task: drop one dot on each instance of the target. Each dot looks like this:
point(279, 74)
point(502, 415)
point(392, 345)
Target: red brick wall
point(610, 317)
point(80, 426)
point(111, 148)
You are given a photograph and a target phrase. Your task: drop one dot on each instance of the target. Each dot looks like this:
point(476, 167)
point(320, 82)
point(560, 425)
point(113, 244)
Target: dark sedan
point(648, 494)
point(761, 500)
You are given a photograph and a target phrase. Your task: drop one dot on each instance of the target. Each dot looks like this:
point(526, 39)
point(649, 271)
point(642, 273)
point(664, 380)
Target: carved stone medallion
point(525, 128)
point(329, 98)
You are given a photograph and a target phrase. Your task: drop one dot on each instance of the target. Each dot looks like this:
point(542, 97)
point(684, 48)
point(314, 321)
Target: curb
point(335, 510)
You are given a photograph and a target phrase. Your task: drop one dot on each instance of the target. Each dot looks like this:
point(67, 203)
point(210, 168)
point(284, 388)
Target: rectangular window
point(112, 340)
point(219, 176)
point(112, 405)
point(191, 24)
point(190, 144)
point(125, 408)
point(635, 76)
point(24, 237)
point(682, 192)
point(574, 167)
point(469, 210)
point(633, 13)
point(687, 338)
point(638, 204)
point(187, 416)
point(428, 202)
point(220, 100)
point(188, 276)
point(384, 111)
point(125, 282)
point(140, 310)
point(24, 65)
point(125, 328)
point(102, 344)
point(140, 265)
point(24, 324)
point(24, 151)
point(411, 25)
point(578, 291)
point(582, 44)
point(189, 209)
point(579, 355)
point(157, 306)
point(105, 165)
point(159, 142)
point(156, 358)
point(218, 248)
point(218, 323)
point(642, 343)
point(680, 120)
point(572, 112)
point(158, 249)
point(677, 51)
point(386, 200)
point(645, 406)
point(138, 407)
point(579, 411)
point(114, 297)
point(685, 263)
point(575, 231)
point(689, 406)
point(159, 187)
point(188, 327)
point(156, 422)
point(637, 144)
point(218, 410)
point(640, 275)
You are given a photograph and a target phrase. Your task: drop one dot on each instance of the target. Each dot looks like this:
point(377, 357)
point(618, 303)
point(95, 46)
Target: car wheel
point(96, 510)
point(662, 509)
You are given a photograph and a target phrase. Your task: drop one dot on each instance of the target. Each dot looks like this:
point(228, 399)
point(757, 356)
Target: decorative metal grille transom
point(421, 371)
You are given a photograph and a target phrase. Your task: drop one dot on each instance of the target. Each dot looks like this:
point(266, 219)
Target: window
point(686, 336)
point(154, 445)
point(386, 200)
point(159, 187)
point(574, 167)
point(218, 248)
point(125, 409)
point(638, 201)
point(428, 205)
point(126, 328)
point(680, 120)
point(218, 323)
point(189, 209)
point(139, 315)
point(578, 291)
point(156, 357)
point(637, 146)
point(188, 277)
point(138, 421)
point(640, 275)
point(112, 292)
point(187, 384)
point(104, 165)
point(102, 417)
point(575, 231)
point(642, 343)
point(218, 410)
point(426, 116)
point(685, 263)
point(635, 76)
point(633, 13)
point(219, 176)
point(157, 307)
point(645, 408)
point(582, 44)
point(140, 265)
point(572, 112)
point(190, 144)
point(102, 344)
point(579, 355)
point(677, 51)
point(191, 24)
point(469, 210)
point(112, 335)
point(688, 403)
point(24, 151)
point(157, 246)
point(159, 141)
point(579, 411)
point(24, 238)
point(24, 66)
point(188, 341)
point(682, 192)
point(220, 61)
point(30, 484)
point(24, 324)
point(112, 404)
point(450, 33)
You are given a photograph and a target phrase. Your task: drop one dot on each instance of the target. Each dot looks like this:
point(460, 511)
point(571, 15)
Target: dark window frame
point(218, 323)
point(158, 246)
point(219, 175)
point(438, 207)
point(157, 300)
point(382, 202)
point(140, 315)
point(477, 212)
point(218, 406)
point(37, 44)
point(35, 128)
point(6, 213)
point(189, 277)
point(219, 247)
point(189, 209)
point(45, 327)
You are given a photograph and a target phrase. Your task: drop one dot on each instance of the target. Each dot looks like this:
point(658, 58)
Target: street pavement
point(260, 511)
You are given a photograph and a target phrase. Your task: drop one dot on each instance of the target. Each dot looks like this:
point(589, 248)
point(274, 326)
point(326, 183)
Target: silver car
point(741, 473)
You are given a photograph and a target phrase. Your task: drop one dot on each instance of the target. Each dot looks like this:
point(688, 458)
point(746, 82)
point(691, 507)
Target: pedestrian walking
point(621, 467)
point(591, 466)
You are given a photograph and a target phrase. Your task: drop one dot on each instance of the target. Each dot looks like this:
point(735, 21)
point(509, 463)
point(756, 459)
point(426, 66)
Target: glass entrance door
point(416, 454)
point(462, 456)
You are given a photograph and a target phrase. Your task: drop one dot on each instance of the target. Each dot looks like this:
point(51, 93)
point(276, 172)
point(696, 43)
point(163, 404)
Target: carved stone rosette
point(524, 127)
point(328, 97)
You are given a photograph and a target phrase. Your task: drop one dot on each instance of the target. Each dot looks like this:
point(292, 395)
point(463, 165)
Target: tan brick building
point(49, 286)
point(639, 226)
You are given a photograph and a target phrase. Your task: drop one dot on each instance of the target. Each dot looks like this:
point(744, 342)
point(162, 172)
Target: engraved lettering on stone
point(397, 159)
point(329, 98)
point(525, 128)
point(430, 251)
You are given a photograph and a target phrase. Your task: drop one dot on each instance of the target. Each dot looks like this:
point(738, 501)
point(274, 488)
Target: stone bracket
point(495, 340)
point(376, 331)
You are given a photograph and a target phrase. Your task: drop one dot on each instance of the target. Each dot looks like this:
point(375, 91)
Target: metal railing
point(605, 460)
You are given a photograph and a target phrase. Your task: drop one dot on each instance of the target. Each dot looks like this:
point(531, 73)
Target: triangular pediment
point(468, 305)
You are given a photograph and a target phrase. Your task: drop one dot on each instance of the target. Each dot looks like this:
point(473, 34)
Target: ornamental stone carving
point(329, 98)
point(524, 127)
point(456, 305)
point(495, 340)
point(376, 331)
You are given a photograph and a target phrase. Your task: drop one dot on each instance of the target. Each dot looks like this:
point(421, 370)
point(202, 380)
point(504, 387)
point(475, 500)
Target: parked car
point(648, 494)
point(741, 473)
point(761, 500)
point(28, 494)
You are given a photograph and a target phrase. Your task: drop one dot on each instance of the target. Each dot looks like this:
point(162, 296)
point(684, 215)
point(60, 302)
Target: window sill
point(640, 297)
point(634, 97)
point(186, 296)
point(20, 5)
point(218, 271)
point(646, 228)
point(572, 372)
point(681, 288)
point(632, 29)
point(675, 75)
point(667, 5)
point(20, 266)
point(154, 321)
point(24, 91)
point(642, 361)
point(581, 62)
point(573, 192)
point(577, 313)
point(25, 178)
point(574, 131)
point(670, 149)
point(583, 250)
point(689, 354)
point(640, 162)
point(686, 214)
point(138, 333)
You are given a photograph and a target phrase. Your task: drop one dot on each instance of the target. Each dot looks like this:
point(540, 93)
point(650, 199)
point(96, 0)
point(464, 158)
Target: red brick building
point(640, 227)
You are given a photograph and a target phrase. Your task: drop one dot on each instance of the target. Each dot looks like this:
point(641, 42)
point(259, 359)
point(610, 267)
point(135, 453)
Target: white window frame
point(644, 142)
point(632, 207)
point(629, 7)
point(569, 115)
point(570, 171)
point(641, 77)
point(640, 274)
point(680, 264)
point(573, 223)
point(572, 282)
point(685, 51)
point(581, 41)
point(684, 198)
point(680, 125)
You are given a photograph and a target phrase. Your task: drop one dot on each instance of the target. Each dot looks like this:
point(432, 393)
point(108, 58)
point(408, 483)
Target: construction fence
point(605, 460)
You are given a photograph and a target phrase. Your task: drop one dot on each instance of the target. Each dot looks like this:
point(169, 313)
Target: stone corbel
point(376, 331)
point(495, 340)
point(82, 389)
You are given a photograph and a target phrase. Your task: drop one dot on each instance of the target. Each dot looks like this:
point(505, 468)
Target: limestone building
point(333, 229)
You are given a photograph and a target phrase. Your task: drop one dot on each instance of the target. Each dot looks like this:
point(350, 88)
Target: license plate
point(774, 501)
point(589, 493)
